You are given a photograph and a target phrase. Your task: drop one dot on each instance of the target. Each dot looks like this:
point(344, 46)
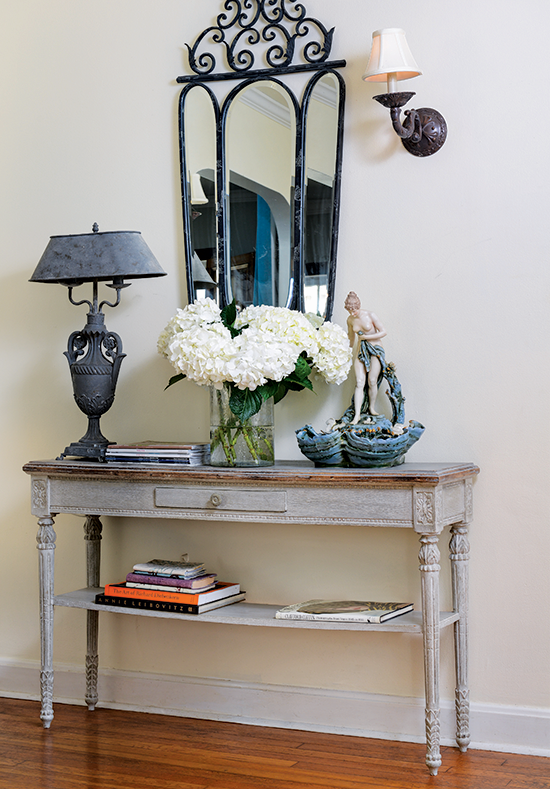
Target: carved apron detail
point(39, 494)
point(424, 508)
point(468, 500)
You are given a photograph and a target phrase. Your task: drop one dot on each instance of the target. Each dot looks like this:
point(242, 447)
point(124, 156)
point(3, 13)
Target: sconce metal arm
point(411, 128)
point(423, 131)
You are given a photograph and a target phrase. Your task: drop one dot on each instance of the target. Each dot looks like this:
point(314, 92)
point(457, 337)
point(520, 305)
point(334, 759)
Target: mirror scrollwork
point(260, 167)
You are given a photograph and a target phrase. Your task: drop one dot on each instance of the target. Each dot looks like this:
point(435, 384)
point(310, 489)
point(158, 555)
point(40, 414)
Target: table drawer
point(221, 499)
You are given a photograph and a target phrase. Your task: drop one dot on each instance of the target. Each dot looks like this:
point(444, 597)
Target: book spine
point(186, 583)
point(173, 453)
point(150, 594)
point(181, 590)
point(159, 446)
point(157, 453)
point(165, 605)
point(153, 459)
point(214, 592)
point(148, 605)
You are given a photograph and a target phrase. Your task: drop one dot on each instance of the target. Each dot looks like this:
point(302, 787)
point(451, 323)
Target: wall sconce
point(95, 354)
point(423, 131)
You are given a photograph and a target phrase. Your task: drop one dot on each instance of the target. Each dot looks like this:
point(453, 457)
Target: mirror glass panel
point(260, 152)
point(322, 126)
point(199, 191)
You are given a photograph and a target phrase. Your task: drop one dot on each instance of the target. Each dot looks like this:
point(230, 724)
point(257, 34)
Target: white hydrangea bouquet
point(254, 355)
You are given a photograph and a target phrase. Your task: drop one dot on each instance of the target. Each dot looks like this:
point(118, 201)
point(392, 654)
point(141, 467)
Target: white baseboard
point(493, 727)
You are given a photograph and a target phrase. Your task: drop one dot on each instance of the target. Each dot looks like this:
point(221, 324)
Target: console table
point(420, 496)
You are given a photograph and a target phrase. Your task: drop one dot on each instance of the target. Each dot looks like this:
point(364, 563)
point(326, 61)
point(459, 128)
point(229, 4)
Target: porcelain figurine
point(362, 436)
point(364, 329)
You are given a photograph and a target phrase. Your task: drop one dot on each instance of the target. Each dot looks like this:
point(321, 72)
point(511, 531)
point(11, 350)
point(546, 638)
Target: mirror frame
point(284, 20)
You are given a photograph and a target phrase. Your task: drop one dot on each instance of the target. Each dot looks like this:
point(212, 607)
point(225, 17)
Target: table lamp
point(94, 353)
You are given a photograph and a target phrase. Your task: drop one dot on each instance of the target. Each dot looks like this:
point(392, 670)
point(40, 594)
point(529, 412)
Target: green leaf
point(268, 390)
point(302, 369)
point(174, 379)
point(281, 392)
point(298, 383)
point(244, 403)
point(297, 386)
point(229, 314)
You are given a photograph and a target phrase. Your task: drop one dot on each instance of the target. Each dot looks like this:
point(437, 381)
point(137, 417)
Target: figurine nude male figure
point(364, 329)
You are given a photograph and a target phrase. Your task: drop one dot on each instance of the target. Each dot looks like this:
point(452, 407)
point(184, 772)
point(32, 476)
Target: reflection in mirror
point(321, 187)
point(198, 129)
point(260, 150)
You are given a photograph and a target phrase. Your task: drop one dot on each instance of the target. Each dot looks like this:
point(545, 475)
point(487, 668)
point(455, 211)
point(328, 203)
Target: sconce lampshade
point(197, 192)
point(71, 260)
point(390, 54)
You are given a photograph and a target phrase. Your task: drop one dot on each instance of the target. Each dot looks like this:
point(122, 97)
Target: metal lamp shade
point(96, 256)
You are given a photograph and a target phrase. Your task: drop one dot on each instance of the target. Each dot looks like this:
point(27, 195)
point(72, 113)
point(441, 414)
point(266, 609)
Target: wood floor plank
point(114, 749)
point(529, 783)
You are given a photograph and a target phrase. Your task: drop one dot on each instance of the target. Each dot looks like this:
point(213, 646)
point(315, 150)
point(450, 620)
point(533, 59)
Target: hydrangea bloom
point(272, 339)
point(333, 359)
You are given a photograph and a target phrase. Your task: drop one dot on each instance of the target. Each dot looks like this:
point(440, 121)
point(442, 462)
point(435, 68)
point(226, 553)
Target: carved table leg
point(92, 535)
point(429, 570)
point(46, 547)
point(460, 555)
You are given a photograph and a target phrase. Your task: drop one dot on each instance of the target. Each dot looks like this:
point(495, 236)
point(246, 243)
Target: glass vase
point(239, 443)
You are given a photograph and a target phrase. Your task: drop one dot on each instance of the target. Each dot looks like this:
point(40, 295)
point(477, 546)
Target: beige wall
point(451, 252)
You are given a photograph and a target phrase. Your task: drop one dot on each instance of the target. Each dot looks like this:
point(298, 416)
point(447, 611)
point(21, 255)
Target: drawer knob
point(215, 500)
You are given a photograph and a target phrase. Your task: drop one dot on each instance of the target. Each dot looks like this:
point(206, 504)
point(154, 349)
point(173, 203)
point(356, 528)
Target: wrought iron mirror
point(261, 160)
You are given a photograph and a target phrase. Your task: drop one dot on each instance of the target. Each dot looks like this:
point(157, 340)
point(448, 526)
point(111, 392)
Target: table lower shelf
point(253, 614)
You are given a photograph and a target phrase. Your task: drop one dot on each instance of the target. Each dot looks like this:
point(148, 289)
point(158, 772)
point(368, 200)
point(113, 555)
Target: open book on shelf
point(344, 611)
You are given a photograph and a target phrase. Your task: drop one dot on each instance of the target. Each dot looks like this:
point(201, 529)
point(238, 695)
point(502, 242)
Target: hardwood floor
point(110, 749)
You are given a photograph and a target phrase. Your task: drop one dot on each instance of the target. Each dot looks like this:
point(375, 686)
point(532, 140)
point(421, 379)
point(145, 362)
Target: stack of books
point(159, 452)
point(344, 611)
point(180, 587)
